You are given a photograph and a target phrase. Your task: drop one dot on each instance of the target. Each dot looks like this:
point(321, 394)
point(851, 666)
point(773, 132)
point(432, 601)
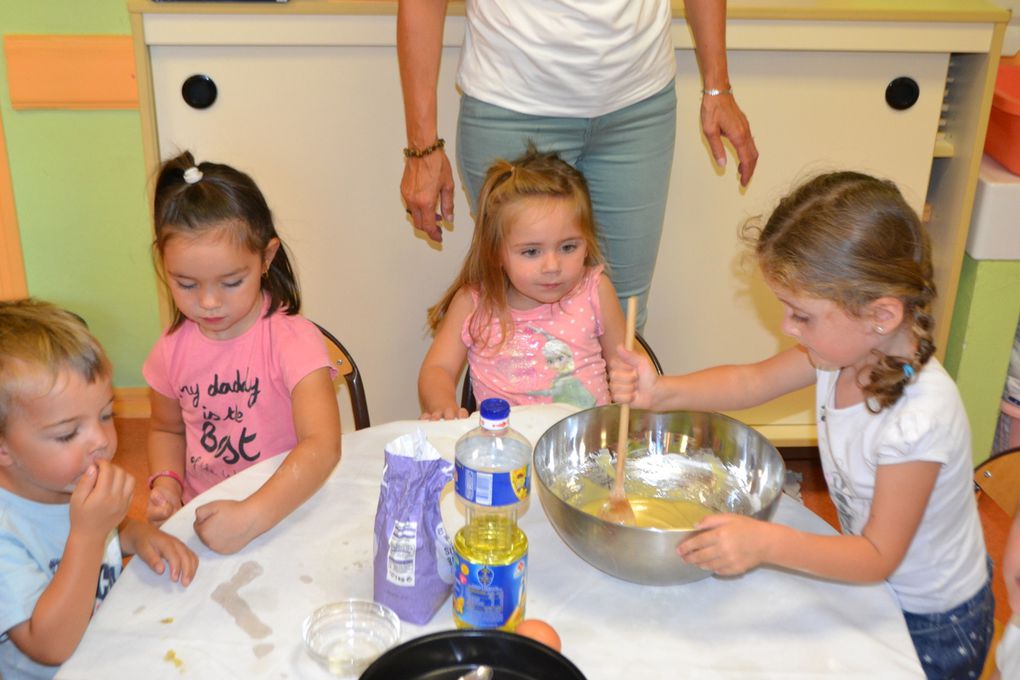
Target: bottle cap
point(494, 408)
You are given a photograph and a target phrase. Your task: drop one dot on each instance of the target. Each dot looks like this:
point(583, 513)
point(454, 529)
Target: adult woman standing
point(591, 81)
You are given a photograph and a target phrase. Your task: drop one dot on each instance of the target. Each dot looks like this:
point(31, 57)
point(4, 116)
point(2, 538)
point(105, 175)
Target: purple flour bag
point(413, 556)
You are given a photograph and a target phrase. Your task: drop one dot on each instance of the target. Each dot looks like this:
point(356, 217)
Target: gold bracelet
point(411, 152)
point(715, 93)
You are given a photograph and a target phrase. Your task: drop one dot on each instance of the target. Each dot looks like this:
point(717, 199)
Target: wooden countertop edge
point(942, 11)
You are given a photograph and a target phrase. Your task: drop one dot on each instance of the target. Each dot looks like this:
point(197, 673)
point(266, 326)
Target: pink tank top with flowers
point(553, 356)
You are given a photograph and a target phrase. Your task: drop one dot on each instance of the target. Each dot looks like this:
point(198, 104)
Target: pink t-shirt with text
point(235, 395)
point(554, 355)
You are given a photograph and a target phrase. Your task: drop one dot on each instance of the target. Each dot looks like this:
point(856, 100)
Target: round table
point(241, 616)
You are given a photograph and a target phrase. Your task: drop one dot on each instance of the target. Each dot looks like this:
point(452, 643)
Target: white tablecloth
point(766, 624)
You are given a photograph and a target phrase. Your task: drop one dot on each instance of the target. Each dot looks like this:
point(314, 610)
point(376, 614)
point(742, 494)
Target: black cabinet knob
point(902, 93)
point(199, 91)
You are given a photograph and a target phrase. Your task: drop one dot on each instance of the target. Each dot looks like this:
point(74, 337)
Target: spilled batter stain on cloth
point(305, 578)
point(171, 657)
point(226, 596)
point(262, 649)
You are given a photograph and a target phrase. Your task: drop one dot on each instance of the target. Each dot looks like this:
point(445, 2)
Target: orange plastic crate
point(1003, 140)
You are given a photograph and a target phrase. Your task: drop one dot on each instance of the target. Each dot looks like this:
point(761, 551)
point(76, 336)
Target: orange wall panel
point(71, 71)
point(12, 267)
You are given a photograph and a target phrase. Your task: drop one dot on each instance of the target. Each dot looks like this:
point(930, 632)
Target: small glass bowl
point(345, 637)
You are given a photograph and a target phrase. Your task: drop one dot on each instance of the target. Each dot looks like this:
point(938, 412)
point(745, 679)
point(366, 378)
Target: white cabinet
point(320, 129)
point(309, 104)
point(810, 112)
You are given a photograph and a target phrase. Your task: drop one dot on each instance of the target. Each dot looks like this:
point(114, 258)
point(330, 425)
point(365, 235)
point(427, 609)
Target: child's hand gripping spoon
point(617, 509)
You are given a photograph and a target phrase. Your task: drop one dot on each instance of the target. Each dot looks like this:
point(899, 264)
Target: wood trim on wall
point(150, 149)
point(12, 266)
point(71, 71)
point(131, 402)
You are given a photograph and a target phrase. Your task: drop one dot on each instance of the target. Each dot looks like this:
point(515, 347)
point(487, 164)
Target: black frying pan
point(450, 653)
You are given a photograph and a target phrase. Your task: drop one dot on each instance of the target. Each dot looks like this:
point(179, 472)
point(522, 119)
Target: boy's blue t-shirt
point(32, 538)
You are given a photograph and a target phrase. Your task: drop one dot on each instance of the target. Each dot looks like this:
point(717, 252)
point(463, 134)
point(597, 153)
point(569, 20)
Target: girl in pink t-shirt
point(531, 311)
point(239, 376)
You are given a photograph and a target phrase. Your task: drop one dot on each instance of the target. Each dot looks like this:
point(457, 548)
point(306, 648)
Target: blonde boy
point(61, 500)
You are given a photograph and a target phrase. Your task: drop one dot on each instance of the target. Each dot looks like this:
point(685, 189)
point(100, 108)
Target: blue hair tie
point(908, 371)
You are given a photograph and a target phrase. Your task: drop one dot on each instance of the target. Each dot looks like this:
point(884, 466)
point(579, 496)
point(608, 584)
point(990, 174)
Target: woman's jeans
point(626, 157)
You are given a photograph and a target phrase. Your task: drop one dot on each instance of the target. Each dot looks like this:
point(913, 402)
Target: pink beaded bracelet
point(166, 473)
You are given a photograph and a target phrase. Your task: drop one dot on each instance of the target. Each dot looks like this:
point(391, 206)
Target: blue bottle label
point(493, 489)
point(489, 596)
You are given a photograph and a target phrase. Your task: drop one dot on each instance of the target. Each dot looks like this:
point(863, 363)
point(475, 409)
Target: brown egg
point(536, 629)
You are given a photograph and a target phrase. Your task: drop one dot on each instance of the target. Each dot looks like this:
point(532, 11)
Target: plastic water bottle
point(493, 477)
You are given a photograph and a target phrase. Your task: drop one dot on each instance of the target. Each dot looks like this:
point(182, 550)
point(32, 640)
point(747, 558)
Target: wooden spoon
point(617, 509)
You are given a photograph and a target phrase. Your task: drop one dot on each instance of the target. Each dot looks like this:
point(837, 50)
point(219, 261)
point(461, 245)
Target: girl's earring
point(880, 330)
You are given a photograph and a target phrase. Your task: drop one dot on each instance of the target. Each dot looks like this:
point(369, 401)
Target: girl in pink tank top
point(532, 311)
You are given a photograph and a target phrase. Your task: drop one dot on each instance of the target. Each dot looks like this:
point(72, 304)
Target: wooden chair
point(347, 371)
point(467, 395)
point(997, 484)
point(999, 479)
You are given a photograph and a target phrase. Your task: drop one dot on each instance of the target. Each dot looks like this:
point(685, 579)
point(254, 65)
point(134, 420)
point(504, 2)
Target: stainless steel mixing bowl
point(679, 453)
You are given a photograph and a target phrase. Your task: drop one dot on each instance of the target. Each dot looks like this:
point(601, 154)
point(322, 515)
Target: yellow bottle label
point(489, 587)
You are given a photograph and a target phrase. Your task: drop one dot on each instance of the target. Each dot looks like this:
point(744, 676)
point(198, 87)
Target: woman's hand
point(727, 544)
point(100, 500)
point(164, 501)
point(428, 181)
point(155, 547)
point(632, 379)
point(721, 117)
point(226, 526)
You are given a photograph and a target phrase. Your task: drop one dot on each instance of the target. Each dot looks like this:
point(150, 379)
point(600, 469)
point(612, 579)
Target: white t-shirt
point(945, 564)
point(570, 58)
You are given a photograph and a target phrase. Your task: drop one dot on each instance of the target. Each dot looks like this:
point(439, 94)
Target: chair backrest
point(467, 395)
point(646, 349)
point(347, 371)
point(999, 479)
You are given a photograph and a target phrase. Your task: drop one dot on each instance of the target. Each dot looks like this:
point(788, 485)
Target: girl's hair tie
point(192, 175)
point(908, 371)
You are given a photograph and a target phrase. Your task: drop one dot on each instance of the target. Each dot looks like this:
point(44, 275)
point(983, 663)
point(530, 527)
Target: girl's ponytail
point(892, 374)
point(191, 198)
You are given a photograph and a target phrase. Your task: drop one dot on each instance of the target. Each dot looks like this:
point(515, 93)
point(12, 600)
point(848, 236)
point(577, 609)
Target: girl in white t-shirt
point(851, 264)
point(239, 376)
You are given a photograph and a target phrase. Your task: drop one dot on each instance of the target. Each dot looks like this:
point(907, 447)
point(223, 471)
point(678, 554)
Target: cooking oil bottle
point(493, 477)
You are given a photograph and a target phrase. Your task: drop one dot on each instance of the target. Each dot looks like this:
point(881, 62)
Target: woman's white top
point(945, 564)
point(570, 58)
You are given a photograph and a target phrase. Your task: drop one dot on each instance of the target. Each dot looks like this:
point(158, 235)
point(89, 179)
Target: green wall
point(984, 324)
point(79, 189)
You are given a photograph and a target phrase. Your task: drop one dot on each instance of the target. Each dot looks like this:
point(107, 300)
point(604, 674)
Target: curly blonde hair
point(852, 239)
